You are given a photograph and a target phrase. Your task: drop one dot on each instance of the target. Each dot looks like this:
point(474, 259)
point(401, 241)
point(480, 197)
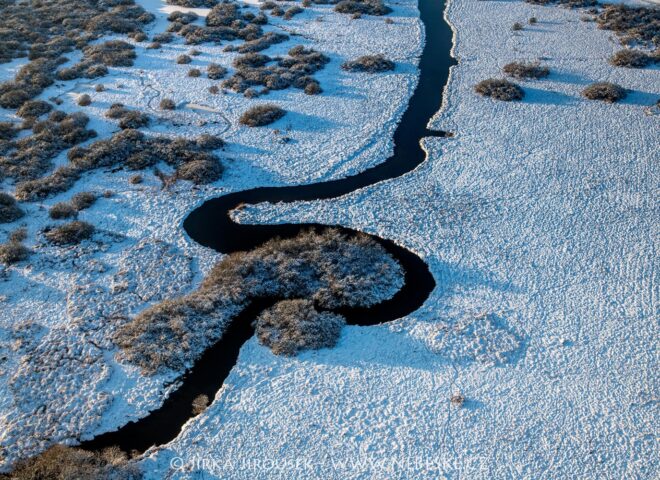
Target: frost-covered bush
point(200, 172)
point(13, 252)
point(261, 115)
point(199, 404)
point(34, 109)
point(215, 71)
point(605, 91)
point(366, 7)
point(84, 100)
point(66, 463)
point(113, 53)
point(194, 72)
point(369, 63)
point(31, 155)
point(328, 268)
point(193, 3)
point(183, 59)
point(128, 119)
point(83, 200)
point(630, 59)
point(292, 11)
point(262, 43)
point(59, 181)
point(9, 209)
point(167, 104)
point(70, 233)
point(632, 23)
point(291, 326)
point(62, 210)
point(526, 70)
point(499, 89)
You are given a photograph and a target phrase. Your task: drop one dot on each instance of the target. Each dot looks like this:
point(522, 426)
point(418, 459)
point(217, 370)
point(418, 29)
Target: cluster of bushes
point(215, 71)
point(225, 21)
point(30, 156)
point(294, 325)
point(362, 7)
point(499, 89)
point(294, 70)
point(261, 115)
point(193, 3)
point(369, 64)
point(80, 201)
point(632, 59)
point(632, 23)
point(66, 463)
point(71, 233)
point(13, 251)
point(132, 150)
point(259, 44)
point(605, 91)
point(9, 209)
point(526, 70)
point(328, 268)
point(46, 30)
point(565, 3)
point(128, 119)
point(96, 59)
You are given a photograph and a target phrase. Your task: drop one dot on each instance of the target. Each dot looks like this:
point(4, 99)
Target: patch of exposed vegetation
point(526, 70)
point(13, 251)
point(630, 59)
point(641, 24)
point(362, 7)
point(605, 91)
point(328, 268)
point(565, 3)
point(295, 70)
point(128, 119)
point(66, 463)
point(369, 64)
point(291, 326)
point(261, 115)
point(499, 89)
point(30, 157)
point(9, 209)
point(71, 233)
point(193, 3)
point(45, 30)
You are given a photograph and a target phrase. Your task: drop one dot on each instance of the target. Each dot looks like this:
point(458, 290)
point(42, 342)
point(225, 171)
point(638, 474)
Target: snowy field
point(539, 220)
point(59, 380)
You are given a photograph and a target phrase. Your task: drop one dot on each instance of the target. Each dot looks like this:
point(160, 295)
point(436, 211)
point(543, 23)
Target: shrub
point(201, 171)
point(214, 89)
point(194, 72)
point(215, 71)
point(292, 11)
point(525, 70)
point(71, 233)
point(167, 104)
point(261, 115)
point(116, 111)
point(183, 59)
point(14, 98)
point(154, 46)
point(9, 209)
point(517, 27)
point(532, 21)
point(209, 142)
point(457, 400)
point(34, 109)
point(199, 404)
point(366, 7)
point(630, 59)
point(135, 179)
point(639, 23)
point(605, 91)
point(193, 3)
point(66, 463)
point(83, 200)
point(369, 63)
point(327, 268)
point(59, 181)
point(13, 252)
point(194, 52)
point(313, 88)
point(294, 325)
point(62, 210)
point(7, 131)
point(84, 100)
point(113, 53)
point(133, 119)
point(499, 89)
point(99, 88)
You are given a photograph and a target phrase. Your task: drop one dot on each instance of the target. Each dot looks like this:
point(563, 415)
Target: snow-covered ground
point(539, 220)
point(59, 380)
